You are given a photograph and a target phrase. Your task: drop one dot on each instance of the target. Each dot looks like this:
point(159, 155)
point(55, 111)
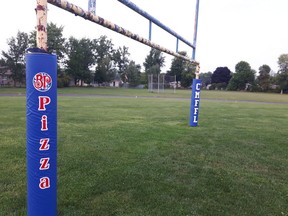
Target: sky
point(229, 31)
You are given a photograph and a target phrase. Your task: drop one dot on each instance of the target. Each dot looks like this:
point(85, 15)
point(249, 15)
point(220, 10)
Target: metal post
point(41, 33)
point(197, 72)
point(195, 29)
point(41, 122)
point(196, 84)
point(150, 30)
point(158, 83)
point(92, 6)
point(143, 13)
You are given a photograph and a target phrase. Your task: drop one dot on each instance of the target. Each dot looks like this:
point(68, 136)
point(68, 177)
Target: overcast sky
point(229, 31)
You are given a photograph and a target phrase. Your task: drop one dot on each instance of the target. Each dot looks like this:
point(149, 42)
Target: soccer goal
point(161, 82)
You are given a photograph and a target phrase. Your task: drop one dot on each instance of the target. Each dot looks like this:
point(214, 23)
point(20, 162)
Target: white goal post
point(161, 82)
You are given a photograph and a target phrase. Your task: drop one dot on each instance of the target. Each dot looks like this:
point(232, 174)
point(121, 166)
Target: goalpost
point(161, 82)
point(41, 100)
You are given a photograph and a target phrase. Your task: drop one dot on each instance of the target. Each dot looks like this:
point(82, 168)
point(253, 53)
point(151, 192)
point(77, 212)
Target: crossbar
point(143, 13)
point(76, 10)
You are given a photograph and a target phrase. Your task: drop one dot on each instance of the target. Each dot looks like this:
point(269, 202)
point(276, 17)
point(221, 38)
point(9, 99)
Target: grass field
point(138, 156)
point(222, 95)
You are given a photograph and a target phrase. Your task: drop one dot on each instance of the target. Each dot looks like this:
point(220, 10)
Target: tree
point(121, 60)
point(80, 58)
point(104, 52)
point(187, 80)
point(154, 62)
point(221, 76)
point(206, 78)
point(188, 75)
point(282, 75)
point(63, 79)
point(184, 71)
point(243, 77)
point(14, 58)
point(133, 73)
point(2, 66)
point(177, 67)
point(55, 44)
point(263, 78)
point(55, 40)
point(104, 71)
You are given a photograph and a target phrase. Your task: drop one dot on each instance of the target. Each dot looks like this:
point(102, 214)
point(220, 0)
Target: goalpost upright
point(196, 84)
point(41, 122)
point(41, 105)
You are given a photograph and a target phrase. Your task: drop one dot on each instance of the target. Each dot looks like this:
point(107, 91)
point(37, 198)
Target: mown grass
point(179, 93)
point(138, 156)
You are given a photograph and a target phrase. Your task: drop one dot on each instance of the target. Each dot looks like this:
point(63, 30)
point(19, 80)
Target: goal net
point(161, 82)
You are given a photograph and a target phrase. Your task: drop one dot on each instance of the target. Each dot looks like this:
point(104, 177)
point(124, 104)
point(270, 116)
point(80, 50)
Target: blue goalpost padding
point(41, 144)
point(195, 102)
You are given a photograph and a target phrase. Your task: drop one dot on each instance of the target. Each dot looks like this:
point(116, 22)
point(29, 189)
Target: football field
point(119, 154)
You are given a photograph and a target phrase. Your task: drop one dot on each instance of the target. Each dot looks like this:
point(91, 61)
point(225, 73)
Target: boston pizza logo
point(42, 82)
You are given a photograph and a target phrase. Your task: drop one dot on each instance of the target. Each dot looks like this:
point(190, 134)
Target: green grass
point(179, 93)
point(138, 156)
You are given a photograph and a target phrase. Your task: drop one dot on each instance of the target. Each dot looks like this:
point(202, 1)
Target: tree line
point(247, 79)
point(85, 60)
point(98, 61)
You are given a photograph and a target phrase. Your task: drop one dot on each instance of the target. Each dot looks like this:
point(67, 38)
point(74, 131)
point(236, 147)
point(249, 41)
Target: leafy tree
point(2, 66)
point(104, 52)
point(14, 57)
point(80, 58)
point(221, 75)
point(55, 40)
point(133, 73)
point(243, 75)
point(283, 63)
point(100, 75)
point(184, 71)
point(206, 78)
point(282, 75)
point(104, 71)
point(187, 80)
point(63, 79)
point(55, 44)
point(177, 67)
point(188, 75)
point(154, 62)
point(263, 78)
point(143, 79)
point(121, 60)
